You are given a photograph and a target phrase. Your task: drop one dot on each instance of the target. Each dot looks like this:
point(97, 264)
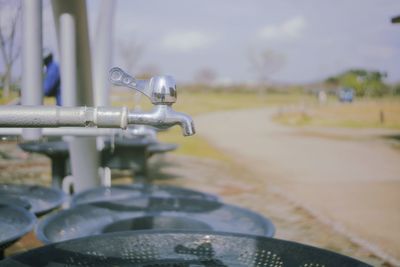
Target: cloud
point(187, 41)
point(286, 31)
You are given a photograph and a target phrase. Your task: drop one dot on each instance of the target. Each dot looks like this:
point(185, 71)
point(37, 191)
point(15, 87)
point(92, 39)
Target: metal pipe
point(68, 60)
point(32, 63)
point(77, 9)
point(102, 53)
point(65, 131)
point(162, 116)
point(54, 116)
point(101, 59)
point(71, 19)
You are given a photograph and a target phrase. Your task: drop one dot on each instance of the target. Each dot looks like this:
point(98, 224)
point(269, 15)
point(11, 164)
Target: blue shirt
point(52, 84)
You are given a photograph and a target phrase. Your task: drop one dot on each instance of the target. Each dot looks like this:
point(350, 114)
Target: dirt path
point(351, 183)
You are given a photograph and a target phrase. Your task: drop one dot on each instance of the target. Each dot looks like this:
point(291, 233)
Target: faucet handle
point(119, 77)
point(159, 89)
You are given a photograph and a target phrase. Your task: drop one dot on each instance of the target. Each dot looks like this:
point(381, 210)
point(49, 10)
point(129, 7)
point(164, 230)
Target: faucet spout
point(163, 116)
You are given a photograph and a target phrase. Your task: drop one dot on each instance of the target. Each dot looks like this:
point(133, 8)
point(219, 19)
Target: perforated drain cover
point(180, 249)
point(136, 190)
point(41, 199)
point(151, 213)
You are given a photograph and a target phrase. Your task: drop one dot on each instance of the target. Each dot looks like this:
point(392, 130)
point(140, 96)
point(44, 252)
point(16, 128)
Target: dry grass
point(195, 103)
point(13, 96)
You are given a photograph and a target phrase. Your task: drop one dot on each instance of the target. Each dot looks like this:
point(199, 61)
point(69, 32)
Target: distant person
point(322, 97)
point(52, 81)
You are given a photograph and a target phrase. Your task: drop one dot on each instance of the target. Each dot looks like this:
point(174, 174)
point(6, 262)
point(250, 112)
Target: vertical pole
point(103, 52)
point(73, 35)
point(68, 60)
point(32, 62)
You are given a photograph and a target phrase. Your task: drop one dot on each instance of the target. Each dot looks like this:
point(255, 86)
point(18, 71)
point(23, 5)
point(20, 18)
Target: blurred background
point(296, 104)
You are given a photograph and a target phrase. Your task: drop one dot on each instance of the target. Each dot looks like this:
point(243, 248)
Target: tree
point(10, 14)
point(266, 63)
point(370, 83)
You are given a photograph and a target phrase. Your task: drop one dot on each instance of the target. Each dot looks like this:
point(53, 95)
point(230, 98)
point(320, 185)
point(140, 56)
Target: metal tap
point(161, 90)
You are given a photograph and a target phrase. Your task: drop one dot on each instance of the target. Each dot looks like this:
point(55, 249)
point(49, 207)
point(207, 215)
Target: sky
point(316, 38)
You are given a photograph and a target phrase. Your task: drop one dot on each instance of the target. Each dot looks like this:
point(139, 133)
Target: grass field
point(195, 103)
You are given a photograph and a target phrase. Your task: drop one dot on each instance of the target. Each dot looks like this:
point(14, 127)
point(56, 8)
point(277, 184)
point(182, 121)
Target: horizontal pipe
point(54, 116)
point(162, 116)
point(64, 131)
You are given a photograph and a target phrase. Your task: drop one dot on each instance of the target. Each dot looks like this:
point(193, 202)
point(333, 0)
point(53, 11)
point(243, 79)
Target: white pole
point(71, 19)
point(103, 52)
point(32, 62)
point(68, 60)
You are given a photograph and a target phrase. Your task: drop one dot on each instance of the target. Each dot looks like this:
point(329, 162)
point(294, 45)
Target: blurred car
point(346, 95)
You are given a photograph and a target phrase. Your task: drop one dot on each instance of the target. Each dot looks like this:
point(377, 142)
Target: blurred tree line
point(364, 83)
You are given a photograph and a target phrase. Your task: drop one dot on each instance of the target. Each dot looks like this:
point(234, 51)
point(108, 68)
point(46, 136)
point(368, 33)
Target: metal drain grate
point(186, 249)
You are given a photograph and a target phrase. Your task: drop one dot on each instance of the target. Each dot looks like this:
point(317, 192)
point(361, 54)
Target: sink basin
point(120, 192)
point(143, 213)
point(41, 199)
point(15, 222)
point(180, 248)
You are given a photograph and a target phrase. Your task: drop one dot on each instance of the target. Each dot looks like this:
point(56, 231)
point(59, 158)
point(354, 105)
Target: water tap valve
point(161, 90)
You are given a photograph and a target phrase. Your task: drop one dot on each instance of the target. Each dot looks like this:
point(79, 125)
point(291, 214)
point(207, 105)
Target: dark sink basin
point(120, 192)
point(41, 199)
point(160, 222)
point(19, 201)
point(180, 249)
point(151, 213)
point(50, 149)
point(15, 222)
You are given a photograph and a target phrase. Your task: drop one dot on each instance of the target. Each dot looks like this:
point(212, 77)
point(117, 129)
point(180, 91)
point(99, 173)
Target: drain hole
point(156, 222)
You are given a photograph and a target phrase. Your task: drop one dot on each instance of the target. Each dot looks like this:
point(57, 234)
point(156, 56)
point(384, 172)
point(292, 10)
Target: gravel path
point(348, 179)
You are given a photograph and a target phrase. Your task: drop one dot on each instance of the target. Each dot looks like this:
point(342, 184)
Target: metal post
point(68, 60)
point(71, 19)
point(32, 62)
point(102, 57)
point(102, 53)
point(77, 9)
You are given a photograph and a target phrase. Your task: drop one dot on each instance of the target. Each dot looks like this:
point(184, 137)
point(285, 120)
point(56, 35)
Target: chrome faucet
point(161, 90)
